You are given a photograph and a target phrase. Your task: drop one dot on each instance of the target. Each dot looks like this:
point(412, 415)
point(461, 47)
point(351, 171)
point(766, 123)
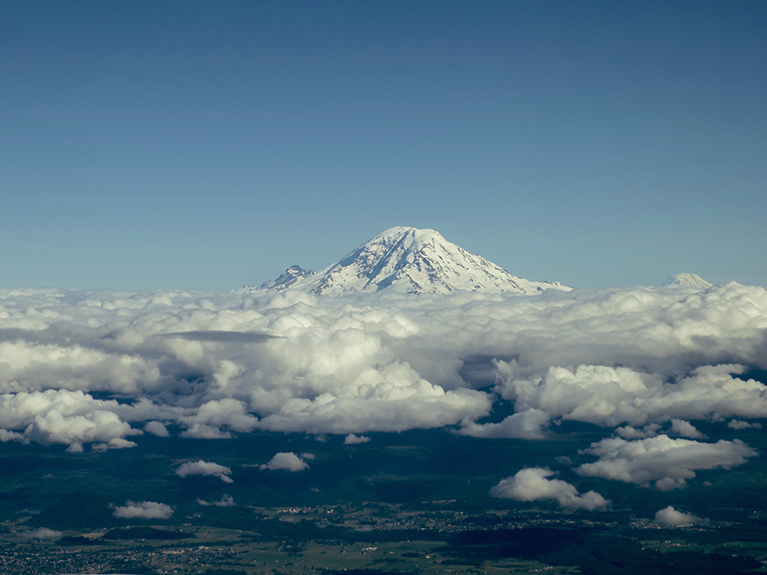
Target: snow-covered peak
point(408, 260)
point(687, 280)
point(416, 237)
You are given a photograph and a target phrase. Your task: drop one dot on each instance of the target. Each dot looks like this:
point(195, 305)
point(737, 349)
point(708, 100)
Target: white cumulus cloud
point(44, 533)
point(352, 439)
point(285, 461)
point(63, 416)
point(143, 510)
point(684, 428)
point(628, 432)
point(156, 428)
point(610, 396)
point(667, 462)
point(528, 424)
point(205, 468)
point(532, 484)
point(225, 501)
point(739, 424)
point(672, 517)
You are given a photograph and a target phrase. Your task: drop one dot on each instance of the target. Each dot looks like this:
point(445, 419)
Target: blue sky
point(205, 145)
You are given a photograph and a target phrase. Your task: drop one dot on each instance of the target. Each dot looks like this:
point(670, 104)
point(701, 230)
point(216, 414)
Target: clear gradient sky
point(205, 145)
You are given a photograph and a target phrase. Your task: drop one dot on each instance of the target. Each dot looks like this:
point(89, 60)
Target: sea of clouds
point(91, 370)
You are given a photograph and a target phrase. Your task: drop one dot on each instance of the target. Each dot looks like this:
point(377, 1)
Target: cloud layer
point(94, 369)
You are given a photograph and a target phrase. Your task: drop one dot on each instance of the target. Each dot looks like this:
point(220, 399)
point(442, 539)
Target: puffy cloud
point(666, 461)
point(223, 364)
point(685, 429)
point(26, 365)
point(739, 424)
point(156, 428)
point(286, 461)
point(62, 416)
point(610, 396)
point(532, 484)
point(6, 436)
point(671, 517)
point(205, 468)
point(527, 424)
point(44, 533)
point(397, 409)
point(209, 418)
point(352, 439)
point(115, 443)
point(628, 432)
point(143, 510)
point(593, 393)
point(205, 431)
point(225, 501)
point(678, 427)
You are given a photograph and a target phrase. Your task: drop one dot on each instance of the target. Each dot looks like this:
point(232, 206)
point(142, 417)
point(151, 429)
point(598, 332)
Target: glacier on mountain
point(687, 280)
point(406, 260)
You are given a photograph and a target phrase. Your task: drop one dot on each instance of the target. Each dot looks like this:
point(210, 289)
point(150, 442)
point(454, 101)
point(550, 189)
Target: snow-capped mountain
point(687, 280)
point(406, 260)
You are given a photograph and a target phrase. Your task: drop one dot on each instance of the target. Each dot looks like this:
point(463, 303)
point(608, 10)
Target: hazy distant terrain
point(409, 495)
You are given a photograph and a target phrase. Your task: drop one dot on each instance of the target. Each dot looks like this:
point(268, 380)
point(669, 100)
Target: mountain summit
point(406, 260)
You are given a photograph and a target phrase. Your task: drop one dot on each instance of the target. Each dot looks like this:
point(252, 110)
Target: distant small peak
point(289, 277)
point(687, 280)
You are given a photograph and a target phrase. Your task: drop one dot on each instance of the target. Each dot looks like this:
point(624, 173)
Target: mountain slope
point(407, 260)
point(687, 280)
